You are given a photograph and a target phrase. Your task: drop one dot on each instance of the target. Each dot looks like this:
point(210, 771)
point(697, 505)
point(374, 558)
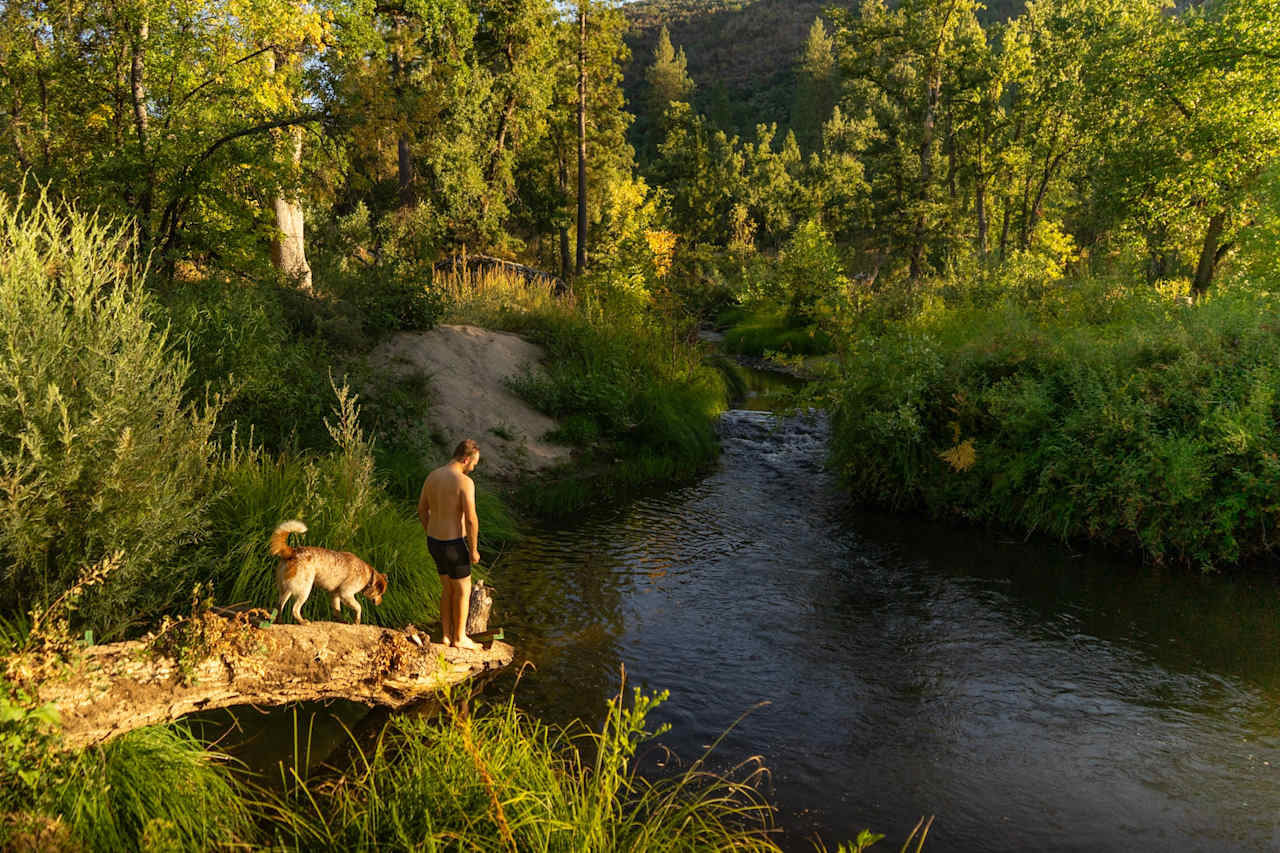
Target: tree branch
point(168, 218)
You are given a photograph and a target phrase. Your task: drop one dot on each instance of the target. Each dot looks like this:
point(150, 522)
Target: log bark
point(118, 687)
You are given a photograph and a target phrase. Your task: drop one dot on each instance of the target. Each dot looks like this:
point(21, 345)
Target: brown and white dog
point(339, 573)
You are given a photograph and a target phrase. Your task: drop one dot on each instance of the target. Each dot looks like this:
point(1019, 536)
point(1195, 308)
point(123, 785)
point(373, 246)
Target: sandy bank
point(466, 368)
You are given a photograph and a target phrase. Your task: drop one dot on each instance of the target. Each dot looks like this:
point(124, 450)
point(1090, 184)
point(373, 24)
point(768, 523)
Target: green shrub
point(99, 450)
point(1093, 412)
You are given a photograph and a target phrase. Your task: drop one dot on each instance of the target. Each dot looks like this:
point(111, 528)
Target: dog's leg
point(301, 599)
point(284, 599)
point(351, 602)
point(335, 601)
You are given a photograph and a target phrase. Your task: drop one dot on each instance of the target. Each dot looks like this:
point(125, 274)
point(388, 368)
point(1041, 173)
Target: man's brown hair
point(465, 450)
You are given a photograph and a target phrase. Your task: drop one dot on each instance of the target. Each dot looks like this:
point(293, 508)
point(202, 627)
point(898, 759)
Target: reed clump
point(501, 781)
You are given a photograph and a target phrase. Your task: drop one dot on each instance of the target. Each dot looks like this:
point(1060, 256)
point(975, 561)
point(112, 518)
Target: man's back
point(445, 494)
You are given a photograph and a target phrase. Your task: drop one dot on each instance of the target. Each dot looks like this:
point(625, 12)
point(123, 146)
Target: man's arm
point(473, 521)
point(424, 507)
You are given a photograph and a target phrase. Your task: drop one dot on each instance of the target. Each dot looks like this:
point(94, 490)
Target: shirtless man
point(447, 510)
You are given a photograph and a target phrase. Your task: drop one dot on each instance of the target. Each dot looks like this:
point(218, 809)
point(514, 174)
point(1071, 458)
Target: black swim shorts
point(452, 556)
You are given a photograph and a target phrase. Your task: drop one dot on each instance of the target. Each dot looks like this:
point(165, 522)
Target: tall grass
point(342, 502)
point(498, 299)
point(153, 789)
point(766, 329)
point(502, 781)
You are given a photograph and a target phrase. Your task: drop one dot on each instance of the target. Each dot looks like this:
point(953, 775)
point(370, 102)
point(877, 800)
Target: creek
point(1029, 697)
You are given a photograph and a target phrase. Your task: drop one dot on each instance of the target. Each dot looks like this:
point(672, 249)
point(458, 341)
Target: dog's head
point(376, 587)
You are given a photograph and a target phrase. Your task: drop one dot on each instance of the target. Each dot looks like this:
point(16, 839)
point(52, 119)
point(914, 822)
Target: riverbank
point(1093, 411)
point(184, 523)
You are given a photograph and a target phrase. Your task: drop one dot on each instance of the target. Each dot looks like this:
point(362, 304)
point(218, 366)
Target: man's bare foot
point(466, 642)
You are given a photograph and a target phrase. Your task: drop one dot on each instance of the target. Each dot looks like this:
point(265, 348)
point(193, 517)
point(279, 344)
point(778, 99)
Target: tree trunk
point(980, 210)
point(581, 261)
point(565, 263)
point(404, 159)
point(123, 686)
point(288, 248)
point(1208, 254)
point(933, 91)
point(404, 170)
point(138, 87)
point(1004, 227)
point(288, 251)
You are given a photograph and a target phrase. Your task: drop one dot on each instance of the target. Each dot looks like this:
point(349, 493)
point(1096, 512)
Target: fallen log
point(114, 688)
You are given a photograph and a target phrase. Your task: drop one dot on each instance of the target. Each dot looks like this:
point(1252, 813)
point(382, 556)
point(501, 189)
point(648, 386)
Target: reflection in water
point(1030, 698)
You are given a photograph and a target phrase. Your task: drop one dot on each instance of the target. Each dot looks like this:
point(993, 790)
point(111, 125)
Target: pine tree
point(669, 83)
point(817, 88)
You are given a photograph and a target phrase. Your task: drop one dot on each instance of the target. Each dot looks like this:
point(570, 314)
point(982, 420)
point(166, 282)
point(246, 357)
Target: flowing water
point(1028, 697)
point(889, 668)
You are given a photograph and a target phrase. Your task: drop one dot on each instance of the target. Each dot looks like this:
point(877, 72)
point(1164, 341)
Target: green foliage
point(246, 345)
point(1095, 412)
point(503, 781)
point(817, 87)
point(164, 115)
point(619, 380)
point(28, 747)
point(99, 449)
point(768, 330)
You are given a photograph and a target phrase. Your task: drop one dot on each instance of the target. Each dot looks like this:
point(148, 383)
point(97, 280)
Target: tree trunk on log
point(118, 687)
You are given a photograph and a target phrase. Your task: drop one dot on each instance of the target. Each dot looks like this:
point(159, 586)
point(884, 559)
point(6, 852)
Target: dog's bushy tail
point(279, 544)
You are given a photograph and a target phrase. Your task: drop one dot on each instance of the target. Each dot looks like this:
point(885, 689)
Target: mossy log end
point(118, 687)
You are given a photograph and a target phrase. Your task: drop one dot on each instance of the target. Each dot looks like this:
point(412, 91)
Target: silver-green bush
point(99, 451)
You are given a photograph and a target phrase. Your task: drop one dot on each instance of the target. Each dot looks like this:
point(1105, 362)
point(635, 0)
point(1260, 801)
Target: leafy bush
point(1096, 412)
point(99, 450)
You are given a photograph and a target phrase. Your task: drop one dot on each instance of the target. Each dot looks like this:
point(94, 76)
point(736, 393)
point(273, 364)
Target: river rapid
point(888, 668)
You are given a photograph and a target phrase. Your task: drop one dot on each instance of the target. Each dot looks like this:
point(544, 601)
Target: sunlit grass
point(500, 780)
point(497, 298)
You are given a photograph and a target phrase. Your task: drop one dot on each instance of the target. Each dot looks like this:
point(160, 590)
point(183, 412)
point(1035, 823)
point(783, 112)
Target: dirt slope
point(467, 368)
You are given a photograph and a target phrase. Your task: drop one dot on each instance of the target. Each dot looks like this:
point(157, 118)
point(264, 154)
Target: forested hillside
point(743, 55)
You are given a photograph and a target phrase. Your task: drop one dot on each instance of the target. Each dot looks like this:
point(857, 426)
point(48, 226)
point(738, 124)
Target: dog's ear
point(380, 584)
